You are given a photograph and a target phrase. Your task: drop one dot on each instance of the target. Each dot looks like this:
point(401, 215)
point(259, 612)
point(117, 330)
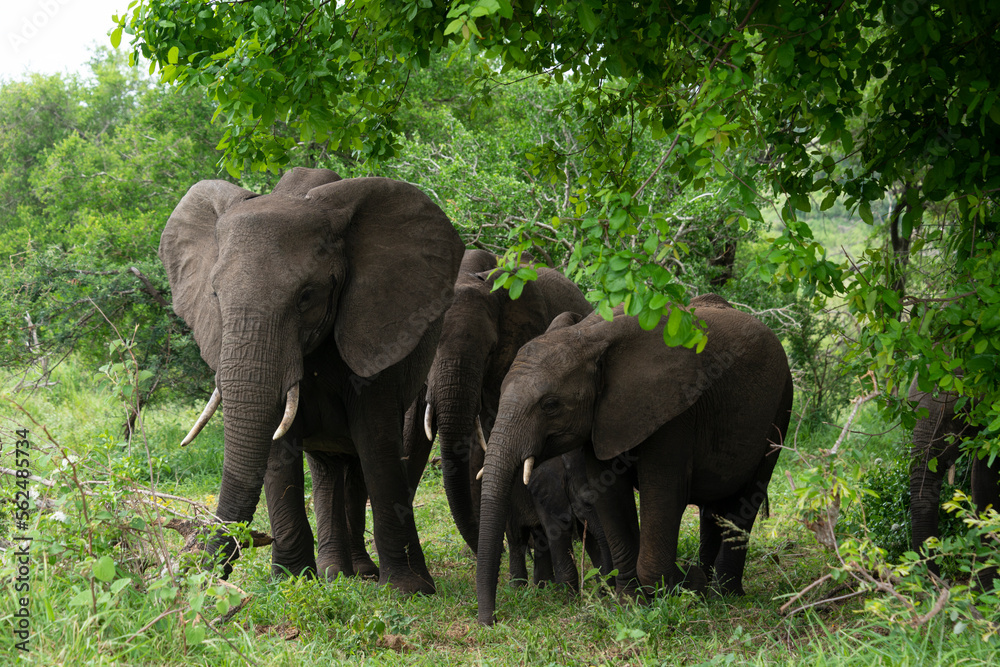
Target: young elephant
point(938, 436)
point(548, 515)
point(682, 427)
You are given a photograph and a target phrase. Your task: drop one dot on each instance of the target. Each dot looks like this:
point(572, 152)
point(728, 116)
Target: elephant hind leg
point(517, 543)
point(329, 495)
point(728, 525)
point(284, 488)
point(355, 503)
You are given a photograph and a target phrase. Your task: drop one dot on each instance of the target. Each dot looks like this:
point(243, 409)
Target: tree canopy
point(888, 108)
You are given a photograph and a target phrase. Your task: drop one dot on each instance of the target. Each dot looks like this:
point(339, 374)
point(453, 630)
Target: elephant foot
point(330, 571)
point(518, 583)
point(300, 569)
point(695, 580)
point(728, 585)
point(365, 567)
point(407, 581)
point(626, 586)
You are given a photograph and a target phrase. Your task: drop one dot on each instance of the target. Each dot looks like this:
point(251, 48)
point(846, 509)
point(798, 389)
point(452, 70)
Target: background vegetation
point(106, 378)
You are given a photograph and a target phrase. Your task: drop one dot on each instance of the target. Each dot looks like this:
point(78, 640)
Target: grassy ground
point(82, 612)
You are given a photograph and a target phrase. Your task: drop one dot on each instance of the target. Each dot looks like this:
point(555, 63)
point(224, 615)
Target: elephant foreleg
point(284, 488)
point(517, 546)
point(664, 491)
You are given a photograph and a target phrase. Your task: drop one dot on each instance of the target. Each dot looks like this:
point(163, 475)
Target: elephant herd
point(345, 320)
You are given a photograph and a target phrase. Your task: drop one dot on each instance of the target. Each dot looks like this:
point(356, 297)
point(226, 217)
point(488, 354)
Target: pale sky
point(50, 36)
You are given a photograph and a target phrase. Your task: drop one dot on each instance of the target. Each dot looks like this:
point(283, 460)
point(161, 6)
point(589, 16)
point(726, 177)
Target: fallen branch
point(191, 530)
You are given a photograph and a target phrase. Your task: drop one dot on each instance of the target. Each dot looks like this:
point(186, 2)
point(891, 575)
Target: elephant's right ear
point(189, 250)
point(644, 384)
point(403, 256)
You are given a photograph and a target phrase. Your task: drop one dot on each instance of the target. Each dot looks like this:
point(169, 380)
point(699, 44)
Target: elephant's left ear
point(643, 385)
point(403, 256)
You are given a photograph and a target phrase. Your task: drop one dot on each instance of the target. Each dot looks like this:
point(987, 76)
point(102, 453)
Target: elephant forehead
point(545, 364)
point(275, 218)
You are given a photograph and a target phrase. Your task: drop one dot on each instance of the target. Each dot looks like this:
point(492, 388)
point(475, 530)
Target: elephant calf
point(548, 514)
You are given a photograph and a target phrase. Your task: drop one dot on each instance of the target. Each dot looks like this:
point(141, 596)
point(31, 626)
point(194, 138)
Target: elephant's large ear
point(644, 384)
point(403, 257)
point(300, 180)
point(563, 320)
point(189, 250)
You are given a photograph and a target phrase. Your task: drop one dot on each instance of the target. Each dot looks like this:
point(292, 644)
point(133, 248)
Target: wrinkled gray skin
point(681, 427)
point(938, 435)
point(548, 515)
point(303, 286)
point(480, 336)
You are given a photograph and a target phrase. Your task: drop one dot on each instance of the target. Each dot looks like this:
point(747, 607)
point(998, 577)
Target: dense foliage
point(889, 107)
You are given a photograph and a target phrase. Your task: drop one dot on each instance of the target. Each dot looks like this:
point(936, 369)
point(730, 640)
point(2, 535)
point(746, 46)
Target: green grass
point(303, 622)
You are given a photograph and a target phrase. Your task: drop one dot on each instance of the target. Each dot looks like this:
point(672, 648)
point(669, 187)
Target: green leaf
point(516, 287)
point(119, 585)
point(587, 18)
point(195, 634)
point(104, 568)
point(649, 318)
point(674, 321)
point(81, 599)
point(865, 211)
point(172, 55)
point(786, 55)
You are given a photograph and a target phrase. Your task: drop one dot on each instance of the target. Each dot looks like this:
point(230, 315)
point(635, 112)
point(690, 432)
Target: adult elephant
point(938, 434)
point(681, 427)
point(481, 334)
point(324, 299)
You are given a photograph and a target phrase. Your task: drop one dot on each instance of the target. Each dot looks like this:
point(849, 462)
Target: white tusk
point(428, 417)
point(206, 414)
point(529, 464)
point(291, 407)
point(479, 432)
point(479, 475)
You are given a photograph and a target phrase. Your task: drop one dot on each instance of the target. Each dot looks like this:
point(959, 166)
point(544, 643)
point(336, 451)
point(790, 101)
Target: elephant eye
point(550, 404)
point(305, 298)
